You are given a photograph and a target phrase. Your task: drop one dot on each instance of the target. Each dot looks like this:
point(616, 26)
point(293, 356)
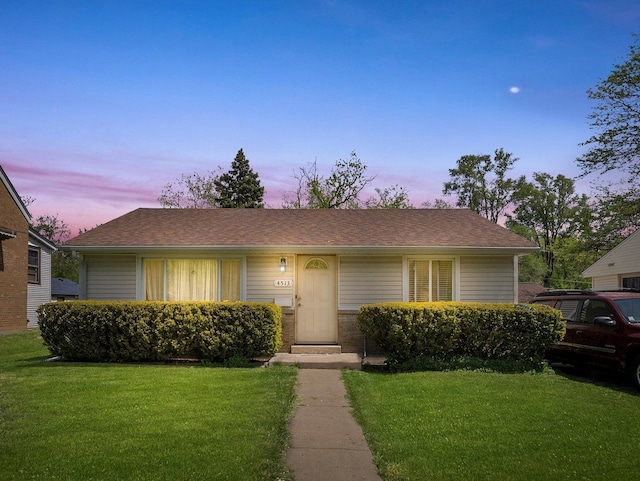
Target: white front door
point(316, 300)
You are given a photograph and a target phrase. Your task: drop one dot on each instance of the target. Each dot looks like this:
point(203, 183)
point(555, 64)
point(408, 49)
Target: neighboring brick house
point(25, 263)
point(320, 265)
point(14, 239)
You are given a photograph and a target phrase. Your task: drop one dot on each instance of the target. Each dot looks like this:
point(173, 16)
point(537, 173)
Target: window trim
point(37, 268)
point(455, 273)
point(165, 258)
point(635, 277)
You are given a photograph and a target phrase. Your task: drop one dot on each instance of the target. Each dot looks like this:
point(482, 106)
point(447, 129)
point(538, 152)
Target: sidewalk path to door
point(326, 442)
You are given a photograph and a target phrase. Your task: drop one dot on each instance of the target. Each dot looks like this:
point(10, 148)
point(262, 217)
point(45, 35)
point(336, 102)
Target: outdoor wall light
point(283, 264)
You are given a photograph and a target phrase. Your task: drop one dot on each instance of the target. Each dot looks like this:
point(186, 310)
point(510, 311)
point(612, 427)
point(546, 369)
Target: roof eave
point(42, 240)
point(303, 249)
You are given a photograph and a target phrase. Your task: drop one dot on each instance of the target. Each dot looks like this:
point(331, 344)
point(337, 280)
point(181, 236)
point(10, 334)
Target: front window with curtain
point(192, 279)
point(430, 280)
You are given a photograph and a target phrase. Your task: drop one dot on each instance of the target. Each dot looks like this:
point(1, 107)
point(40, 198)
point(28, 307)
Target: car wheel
point(635, 372)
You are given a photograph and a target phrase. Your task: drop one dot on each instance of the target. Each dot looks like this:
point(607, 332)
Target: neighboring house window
point(192, 279)
point(430, 280)
point(631, 282)
point(33, 265)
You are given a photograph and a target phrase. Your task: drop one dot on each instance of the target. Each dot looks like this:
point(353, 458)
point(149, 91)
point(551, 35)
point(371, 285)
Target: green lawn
point(67, 421)
point(482, 426)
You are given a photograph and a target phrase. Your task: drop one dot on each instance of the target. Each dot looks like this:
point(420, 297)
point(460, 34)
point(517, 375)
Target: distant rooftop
point(64, 287)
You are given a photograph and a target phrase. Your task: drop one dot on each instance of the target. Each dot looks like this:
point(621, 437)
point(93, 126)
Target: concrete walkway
point(326, 443)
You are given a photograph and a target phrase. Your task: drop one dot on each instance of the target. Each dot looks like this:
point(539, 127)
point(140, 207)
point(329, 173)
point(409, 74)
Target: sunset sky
point(104, 102)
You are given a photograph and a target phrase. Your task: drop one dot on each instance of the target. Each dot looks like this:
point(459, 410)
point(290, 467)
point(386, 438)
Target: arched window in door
point(317, 264)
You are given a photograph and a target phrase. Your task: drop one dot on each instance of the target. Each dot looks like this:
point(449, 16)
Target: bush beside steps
point(454, 335)
point(159, 331)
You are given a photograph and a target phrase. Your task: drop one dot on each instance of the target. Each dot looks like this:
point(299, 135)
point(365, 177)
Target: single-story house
point(64, 289)
point(620, 267)
point(319, 265)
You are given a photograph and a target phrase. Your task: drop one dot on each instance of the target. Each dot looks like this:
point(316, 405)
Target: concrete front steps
point(318, 357)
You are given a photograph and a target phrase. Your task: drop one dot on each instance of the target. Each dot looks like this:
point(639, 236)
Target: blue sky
point(104, 102)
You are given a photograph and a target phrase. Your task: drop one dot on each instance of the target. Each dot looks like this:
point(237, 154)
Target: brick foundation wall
point(288, 330)
point(349, 337)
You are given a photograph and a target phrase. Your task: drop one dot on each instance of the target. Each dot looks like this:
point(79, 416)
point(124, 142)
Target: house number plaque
point(283, 283)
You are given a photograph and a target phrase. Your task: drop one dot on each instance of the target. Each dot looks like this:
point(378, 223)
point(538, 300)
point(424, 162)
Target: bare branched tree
point(340, 190)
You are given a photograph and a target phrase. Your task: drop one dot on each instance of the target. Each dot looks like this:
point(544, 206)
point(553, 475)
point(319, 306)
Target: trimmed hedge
point(446, 330)
point(158, 331)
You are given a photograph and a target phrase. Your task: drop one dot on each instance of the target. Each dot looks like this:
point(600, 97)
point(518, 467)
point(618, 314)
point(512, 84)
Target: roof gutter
point(303, 249)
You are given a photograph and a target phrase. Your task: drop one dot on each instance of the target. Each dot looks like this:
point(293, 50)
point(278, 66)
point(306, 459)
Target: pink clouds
point(85, 190)
point(81, 199)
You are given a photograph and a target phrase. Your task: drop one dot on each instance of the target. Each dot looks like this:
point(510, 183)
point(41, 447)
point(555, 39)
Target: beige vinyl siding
point(262, 271)
point(622, 259)
point(606, 282)
point(365, 280)
point(111, 277)
point(487, 279)
point(38, 294)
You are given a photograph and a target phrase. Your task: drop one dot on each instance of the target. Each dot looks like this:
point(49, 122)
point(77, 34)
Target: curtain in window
point(191, 280)
point(154, 279)
point(230, 280)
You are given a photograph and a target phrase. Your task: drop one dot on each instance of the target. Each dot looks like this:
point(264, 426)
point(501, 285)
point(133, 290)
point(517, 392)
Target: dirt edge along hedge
point(446, 330)
point(157, 331)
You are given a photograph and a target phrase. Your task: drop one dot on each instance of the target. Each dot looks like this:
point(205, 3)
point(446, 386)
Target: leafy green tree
point(616, 120)
point(240, 186)
point(572, 257)
point(192, 191)
point(548, 211)
point(480, 183)
point(615, 146)
point(340, 190)
point(531, 267)
point(616, 215)
point(63, 264)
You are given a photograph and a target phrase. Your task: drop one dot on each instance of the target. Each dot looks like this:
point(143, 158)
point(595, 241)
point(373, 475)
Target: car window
point(630, 309)
point(568, 308)
point(592, 308)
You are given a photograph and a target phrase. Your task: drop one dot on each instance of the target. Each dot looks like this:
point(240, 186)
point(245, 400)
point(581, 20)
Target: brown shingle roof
point(305, 227)
point(528, 290)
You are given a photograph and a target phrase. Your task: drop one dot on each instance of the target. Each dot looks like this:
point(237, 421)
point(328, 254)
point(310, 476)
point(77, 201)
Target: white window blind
point(430, 280)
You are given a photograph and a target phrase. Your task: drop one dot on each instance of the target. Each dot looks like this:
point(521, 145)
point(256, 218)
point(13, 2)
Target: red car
point(603, 328)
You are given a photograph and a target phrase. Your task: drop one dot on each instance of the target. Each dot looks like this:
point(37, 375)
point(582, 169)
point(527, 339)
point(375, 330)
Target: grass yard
point(482, 426)
point(64, 421)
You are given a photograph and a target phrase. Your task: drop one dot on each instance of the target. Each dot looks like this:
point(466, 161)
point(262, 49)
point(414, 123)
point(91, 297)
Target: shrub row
point(448, 330)
point(156, 331)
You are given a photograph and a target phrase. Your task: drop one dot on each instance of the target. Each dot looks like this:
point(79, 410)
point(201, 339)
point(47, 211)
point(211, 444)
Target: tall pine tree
point(240, 186)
